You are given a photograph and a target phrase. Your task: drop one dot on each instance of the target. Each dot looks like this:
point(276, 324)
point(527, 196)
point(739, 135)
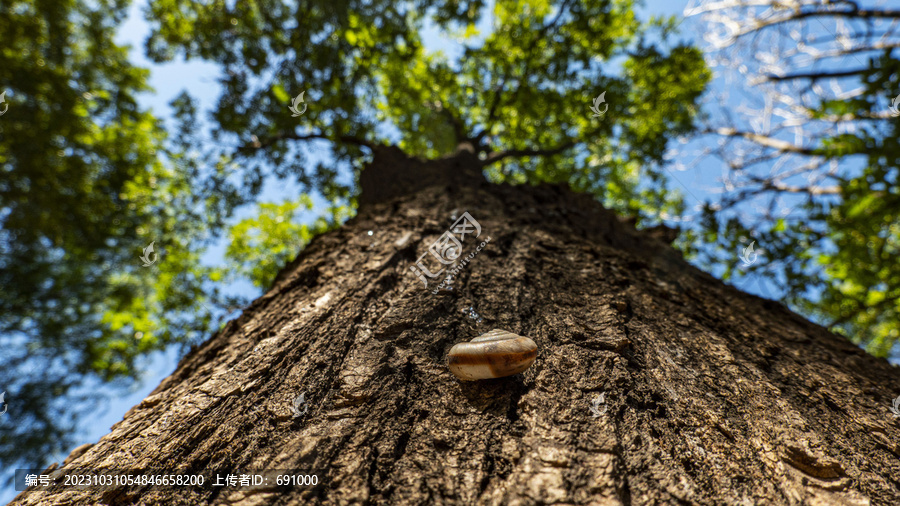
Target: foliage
point(261, 245)
point(89, 181)
point(79, 194)
point(813, 170)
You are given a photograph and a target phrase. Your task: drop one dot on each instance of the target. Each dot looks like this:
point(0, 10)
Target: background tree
point(811, 164)
point(82, 189)
point(518, 97)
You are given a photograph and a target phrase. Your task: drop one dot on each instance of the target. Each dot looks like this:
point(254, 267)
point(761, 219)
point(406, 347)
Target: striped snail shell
point(493, 355)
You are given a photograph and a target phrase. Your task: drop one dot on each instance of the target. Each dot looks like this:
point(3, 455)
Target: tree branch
point(763, 140)
point(459, 129)
point(268, 141)
point(495, 103)
point(854, 12)
point(816, 75)
point(500, 155)
point(809, 190)
point(498, 95)
point(750, 22)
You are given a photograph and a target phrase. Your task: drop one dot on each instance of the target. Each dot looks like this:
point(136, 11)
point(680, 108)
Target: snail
point(493, 355)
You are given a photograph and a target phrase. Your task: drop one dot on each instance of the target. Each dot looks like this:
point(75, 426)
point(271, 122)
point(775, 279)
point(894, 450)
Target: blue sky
point(200, 78)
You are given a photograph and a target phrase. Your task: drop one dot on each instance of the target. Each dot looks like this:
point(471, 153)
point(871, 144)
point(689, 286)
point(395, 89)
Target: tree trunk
point(654, 382)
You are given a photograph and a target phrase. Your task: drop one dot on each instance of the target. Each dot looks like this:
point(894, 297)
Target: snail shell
point(493, 355)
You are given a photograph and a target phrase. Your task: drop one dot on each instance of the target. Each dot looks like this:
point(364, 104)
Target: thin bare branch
point(763, 140)
point(519, 153)
point(818, 75)
point(258, 144)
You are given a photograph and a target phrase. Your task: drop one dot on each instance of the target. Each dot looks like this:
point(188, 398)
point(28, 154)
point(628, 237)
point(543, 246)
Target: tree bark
point(710, 395)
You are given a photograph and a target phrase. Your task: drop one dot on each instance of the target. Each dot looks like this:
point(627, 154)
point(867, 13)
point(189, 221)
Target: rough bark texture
point(712, 396)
